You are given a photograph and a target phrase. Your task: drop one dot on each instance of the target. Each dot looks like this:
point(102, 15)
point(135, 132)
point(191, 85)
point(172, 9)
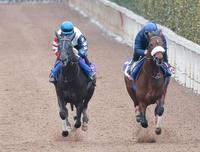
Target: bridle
point(68, 58)
point(159, 74)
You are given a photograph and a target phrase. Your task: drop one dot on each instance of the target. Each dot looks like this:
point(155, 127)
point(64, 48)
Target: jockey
point(142, 41)
point(80, 44)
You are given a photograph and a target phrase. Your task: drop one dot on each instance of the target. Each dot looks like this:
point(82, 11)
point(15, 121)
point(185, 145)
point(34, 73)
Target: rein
point(158, 75)
point(71, 61)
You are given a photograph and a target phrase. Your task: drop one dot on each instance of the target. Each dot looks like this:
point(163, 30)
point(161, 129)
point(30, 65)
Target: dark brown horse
point(151, 84)
point(72, 87)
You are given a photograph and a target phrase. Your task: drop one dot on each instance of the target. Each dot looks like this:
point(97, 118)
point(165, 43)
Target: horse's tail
point(72, 106)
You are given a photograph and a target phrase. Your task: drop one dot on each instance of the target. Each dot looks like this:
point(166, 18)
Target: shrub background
point(181, 16)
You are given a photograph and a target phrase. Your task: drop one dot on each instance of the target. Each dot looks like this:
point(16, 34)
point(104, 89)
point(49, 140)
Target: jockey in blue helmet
point(141, 43)
point(80, 44)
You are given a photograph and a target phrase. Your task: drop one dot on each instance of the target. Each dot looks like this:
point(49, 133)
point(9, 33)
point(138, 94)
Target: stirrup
point(92, 78)
point(52, 79)
point(127, 72)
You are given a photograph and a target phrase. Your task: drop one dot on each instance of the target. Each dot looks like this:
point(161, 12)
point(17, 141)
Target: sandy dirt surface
point(29, 120)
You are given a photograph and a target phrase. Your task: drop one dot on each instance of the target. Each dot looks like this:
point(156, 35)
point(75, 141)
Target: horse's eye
point(151, 45)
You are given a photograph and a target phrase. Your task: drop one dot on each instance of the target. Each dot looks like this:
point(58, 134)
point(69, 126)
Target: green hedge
point(181, 16)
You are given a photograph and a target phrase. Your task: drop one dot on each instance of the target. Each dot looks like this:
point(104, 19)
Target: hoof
point(144, 123)
point(159, 111)
point(65, 133)
point(77, 125)
point(158, 131)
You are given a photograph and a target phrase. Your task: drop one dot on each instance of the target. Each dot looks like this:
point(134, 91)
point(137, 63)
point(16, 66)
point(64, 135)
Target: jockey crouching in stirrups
point(141, 43)
point(80, 44)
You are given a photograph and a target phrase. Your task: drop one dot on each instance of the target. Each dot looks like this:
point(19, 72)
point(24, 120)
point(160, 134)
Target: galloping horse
point(72, 86)
point(150, 86)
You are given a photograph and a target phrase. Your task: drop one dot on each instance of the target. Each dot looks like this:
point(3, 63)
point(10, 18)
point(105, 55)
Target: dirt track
point(29, 120)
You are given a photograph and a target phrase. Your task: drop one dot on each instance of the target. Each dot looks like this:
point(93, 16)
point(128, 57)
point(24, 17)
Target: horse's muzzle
point(158, 61)
point(158, 58)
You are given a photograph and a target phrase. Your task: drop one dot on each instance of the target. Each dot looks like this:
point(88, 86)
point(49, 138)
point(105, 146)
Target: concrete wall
point(183, 54)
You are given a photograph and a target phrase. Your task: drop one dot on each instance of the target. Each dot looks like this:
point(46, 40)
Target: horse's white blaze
point(65, 127)
point(158, 123)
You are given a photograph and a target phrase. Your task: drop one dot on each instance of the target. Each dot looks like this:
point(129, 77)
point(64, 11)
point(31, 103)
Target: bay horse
point(72, 86)
point(150, 87)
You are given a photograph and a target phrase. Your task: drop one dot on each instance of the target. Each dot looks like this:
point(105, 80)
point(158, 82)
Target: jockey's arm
point(139, 49)
point(55, 47)
point(82, 46)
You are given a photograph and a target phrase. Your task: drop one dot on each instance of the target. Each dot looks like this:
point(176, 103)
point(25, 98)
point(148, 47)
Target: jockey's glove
point(82, 52)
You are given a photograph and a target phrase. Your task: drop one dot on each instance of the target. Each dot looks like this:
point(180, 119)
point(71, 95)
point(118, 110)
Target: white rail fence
point(183, 54)
point(31, 1)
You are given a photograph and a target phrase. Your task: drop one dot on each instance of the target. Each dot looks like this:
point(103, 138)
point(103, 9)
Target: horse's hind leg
point(137, 113)
point(85, 120)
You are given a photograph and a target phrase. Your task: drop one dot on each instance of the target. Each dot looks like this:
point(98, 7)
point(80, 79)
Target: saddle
point(134, 69)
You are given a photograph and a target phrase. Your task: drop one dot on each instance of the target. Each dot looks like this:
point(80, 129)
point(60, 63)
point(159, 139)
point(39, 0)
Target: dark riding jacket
point(141, 44)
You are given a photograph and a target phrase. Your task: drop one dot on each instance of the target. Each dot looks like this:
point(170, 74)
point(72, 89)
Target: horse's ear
point(157, 32)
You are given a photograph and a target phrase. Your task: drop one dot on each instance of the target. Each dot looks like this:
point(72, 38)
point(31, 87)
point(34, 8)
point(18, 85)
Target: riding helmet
point(67, 28)
point(150, 27)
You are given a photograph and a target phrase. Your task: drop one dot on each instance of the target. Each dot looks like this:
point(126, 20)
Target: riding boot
point(92, 73)
point(51, 78)
point(129, 66)
point(87, 61)
point(54, 72)
point(86, 66)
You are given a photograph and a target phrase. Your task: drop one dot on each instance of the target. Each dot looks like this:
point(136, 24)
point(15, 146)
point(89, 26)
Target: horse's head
point(155, 48)
point(65, 48)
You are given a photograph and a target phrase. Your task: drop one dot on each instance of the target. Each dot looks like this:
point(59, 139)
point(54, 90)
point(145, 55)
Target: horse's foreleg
point(143, 120)
point(79, 110)
point(159, 110)
point(66, 127)
point(63, 110)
